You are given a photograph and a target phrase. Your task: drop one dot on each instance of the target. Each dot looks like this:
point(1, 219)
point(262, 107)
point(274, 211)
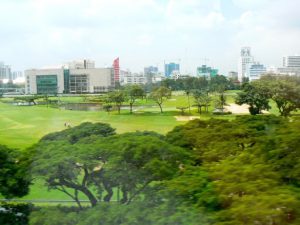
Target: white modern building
point(291, 61)
point(132, 78)
point(245, 59)
point(255, 70)
point(291, 65)
point(76, 79)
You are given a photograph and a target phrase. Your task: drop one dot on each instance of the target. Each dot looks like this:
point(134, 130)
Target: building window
point(79, 83)
point(46, 84)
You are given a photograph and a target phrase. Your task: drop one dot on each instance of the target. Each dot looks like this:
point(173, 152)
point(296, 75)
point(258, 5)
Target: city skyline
point(148, 32)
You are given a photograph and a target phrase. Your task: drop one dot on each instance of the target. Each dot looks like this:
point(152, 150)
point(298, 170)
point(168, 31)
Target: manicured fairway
point(22, 126)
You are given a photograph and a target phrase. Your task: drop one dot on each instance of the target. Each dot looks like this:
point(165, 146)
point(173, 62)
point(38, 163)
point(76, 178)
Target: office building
point(232, 75)
point(133, 78)
point(5, 72)
point(149, 73)
point(291, 61)
point(170, 67)
point(69, 80)
point(255, 70)
point(244, 60)
point(206, 71)
point(291, 65)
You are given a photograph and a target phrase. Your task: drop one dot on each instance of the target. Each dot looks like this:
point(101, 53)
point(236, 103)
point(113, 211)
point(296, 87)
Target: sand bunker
point(240, 109)
point(186, 118)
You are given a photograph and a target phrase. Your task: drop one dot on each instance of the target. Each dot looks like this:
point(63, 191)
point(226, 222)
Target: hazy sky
point(37, 33)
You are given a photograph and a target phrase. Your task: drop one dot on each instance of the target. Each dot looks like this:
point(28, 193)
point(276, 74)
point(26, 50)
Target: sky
point(39, 33)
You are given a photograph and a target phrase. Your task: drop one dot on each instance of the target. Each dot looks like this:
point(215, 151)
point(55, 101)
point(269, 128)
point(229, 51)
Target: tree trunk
point(161, 111)
point(90, 196)
point(189, 104)
point(131, 104)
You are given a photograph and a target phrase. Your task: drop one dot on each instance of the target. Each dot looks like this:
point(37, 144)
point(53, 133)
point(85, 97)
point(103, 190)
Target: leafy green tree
point(14, 176)
point(284, 91)
point(118, 97)
point(202, 99)
point(159, 95)
point(256, 96)
point(134, 92)
point(102, 161)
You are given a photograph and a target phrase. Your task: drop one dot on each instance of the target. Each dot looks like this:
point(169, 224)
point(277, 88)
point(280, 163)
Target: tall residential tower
point(245, 59)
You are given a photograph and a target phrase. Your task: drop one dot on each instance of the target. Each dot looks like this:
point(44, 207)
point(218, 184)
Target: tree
point(28, 99)
point(14, 176)
point(118, 97)
point(202, 99)
point(134, 92)
point(256, 96)
point(188, 86)
point(159, 95)
point(103, 161)
point(284, 91)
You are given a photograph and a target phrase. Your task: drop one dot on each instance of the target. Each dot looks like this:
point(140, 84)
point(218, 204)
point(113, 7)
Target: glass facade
point(66, 81)
point(169, 68)
point(206, 71)
point(79, 83)
point(46, 84)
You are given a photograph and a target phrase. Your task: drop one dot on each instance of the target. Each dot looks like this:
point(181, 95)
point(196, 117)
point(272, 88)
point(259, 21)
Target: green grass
point(22, 126)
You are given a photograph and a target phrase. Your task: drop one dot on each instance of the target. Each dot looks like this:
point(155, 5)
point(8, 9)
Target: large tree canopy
point(246, 170)
point(103, 162)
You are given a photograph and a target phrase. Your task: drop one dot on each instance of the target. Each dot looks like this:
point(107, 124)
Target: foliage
point(83, 130)
point(202, 99)
point(159, 95)
point(284, 91)
point(256, 96)
point(109, 214)
point(118, 97)
point(113, 161)
point(245, 171)
point(14, 213)
point(14, 177)
point(133, 92)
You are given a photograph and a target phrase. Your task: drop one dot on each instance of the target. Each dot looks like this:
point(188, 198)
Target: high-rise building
point(116, 66)
point(5, 72)
point(244, 60)
point(291, 65)
point(255, 70)
point(16, 75)
point(206, 71)
point(149, 73)
point(170, 68)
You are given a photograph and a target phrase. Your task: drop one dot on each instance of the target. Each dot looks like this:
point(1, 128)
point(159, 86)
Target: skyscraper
point(116, 66)
point(170, 68)
point(5, 72)
point(149, 73)
point(244, 60)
